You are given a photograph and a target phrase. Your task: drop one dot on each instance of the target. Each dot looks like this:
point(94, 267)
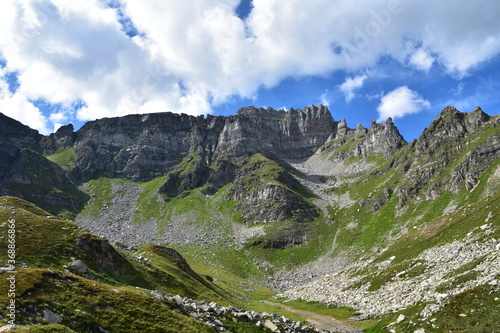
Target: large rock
point(77, 267)
point(52, 318)
point(102, 253)
point(271, 326)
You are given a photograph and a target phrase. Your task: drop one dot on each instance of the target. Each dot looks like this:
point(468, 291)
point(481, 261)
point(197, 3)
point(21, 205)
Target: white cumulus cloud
point(422, 60)
point(18, 107)
point(400, 102)
point(352, 84)
point(189, 56)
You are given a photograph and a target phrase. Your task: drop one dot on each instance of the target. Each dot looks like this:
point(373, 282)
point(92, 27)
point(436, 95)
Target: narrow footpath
point(318, 320)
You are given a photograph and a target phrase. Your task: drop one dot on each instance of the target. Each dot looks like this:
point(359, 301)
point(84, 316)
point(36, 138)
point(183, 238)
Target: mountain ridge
point(285, 199)
point(210, 152)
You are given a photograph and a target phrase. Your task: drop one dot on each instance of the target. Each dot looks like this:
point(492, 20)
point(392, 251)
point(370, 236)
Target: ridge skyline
point(408, 136)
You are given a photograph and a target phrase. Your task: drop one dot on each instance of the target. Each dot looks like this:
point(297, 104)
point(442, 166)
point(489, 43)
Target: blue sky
point(67, 61)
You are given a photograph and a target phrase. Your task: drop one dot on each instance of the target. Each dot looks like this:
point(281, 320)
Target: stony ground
point(214, 315)
point(318, 320)
point(402, 291)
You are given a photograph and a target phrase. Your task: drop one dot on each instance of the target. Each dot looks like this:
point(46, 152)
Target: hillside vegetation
point(386, 234)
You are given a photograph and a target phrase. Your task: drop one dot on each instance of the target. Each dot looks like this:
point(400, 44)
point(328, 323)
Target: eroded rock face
point(287, 134)
point(447, 127)
point(382, 138)
point(27, 174)
point(19, 134)
point(101, 252)
point(440, 149)
point(272, 200)
point(141, 147)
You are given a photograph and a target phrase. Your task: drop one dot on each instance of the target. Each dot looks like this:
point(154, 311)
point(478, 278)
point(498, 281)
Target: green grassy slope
point(65, 158)
point(89, 306)
point(44, 241)
point(102, 298)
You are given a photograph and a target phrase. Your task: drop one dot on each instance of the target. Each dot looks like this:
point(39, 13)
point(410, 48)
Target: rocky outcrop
point(192, 173)
point(475, 119)
point(461, 144)
point(361, 142)
point(446, 128)
point(272, 203)
point(27, 174)
point(178, 258)
point(382, 138)
point(214, 315)
point(342, 130)
point(141, 147)
point(267, 192)
point(102, 253)
point(19, 134)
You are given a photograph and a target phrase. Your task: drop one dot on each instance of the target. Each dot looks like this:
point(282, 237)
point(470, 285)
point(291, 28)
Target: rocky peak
point(19, 134)
point(65, 135)
point(450, 125)
point(360, 129)
point(448, 136)
point(382, 138)
point(342, 128)
point(475, 119)
point(449, 119)
point(63, 138)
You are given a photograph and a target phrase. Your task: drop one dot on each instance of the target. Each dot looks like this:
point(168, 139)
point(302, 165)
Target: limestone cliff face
point(286, 134)
point(141, 147)
point(361, 142)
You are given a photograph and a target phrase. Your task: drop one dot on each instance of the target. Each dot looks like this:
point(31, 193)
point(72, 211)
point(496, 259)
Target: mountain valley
point(263, 207)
